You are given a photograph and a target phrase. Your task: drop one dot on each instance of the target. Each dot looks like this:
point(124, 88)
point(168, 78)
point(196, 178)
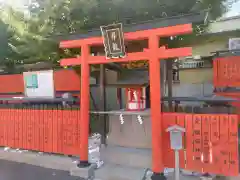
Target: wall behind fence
point(11, 83)
point(64, 80)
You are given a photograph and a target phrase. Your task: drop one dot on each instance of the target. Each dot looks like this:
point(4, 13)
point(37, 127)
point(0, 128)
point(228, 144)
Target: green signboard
point(31, 81)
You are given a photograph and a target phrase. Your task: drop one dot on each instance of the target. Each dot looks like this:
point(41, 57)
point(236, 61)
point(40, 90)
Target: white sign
point(176, 133)
point(39, 84)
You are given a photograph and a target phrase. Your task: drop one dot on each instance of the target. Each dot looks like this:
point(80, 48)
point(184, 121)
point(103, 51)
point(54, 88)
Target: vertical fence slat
point(37, 129)
point(1, 128)
point(28, 129)
point(189, 141)
point(41, 129)
point(206, 159)
point(11, 127)
point(222, 151)
point(8, 128)
point(233, 144)
point(24, 134)
point(197, 142)
point(69, 132)
point(74, 131)
point(169, 119)
point(20, 134)
point(55, 131)
point(50, 130)
point(181, 122)
point(45, 131)
point(64, 132)
point(214, 140)
point(31, 130)
point(16, 128)
point(60, 131)
point(78, 130)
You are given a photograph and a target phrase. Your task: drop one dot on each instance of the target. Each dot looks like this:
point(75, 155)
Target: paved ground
point(13, 171)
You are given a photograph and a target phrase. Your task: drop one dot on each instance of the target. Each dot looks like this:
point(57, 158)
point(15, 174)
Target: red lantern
point(136, 99)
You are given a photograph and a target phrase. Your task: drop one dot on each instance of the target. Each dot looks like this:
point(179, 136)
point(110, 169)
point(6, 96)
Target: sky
point(235, 10)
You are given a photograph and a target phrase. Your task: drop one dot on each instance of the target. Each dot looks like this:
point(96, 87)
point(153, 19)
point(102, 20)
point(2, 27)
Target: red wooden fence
point(52, 131)
point(210, 143)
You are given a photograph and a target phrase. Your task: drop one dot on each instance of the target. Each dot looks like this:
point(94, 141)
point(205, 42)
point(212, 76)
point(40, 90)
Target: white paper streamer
point(140, 120)
point(121, 119)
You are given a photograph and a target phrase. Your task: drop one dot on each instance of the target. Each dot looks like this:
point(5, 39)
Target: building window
point(192, 64)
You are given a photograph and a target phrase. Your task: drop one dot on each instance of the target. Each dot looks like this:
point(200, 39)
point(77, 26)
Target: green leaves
point(29, 37)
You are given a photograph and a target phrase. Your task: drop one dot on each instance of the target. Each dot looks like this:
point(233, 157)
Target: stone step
point(132, 157)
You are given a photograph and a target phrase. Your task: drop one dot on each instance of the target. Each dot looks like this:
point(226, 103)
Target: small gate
point(210, 142)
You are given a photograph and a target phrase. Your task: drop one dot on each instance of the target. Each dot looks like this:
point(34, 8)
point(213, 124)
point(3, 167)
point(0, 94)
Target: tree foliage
point(31, 34)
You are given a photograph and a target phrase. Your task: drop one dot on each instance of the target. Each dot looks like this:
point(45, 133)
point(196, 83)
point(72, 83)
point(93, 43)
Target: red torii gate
point(153, 54)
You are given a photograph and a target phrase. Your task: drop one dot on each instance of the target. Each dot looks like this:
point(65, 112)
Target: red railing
point(52, 131)
point(210, 143)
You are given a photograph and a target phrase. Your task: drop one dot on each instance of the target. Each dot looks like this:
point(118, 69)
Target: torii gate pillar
point(152, 54)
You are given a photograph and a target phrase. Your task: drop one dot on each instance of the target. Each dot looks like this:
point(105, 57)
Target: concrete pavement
point(14, 171)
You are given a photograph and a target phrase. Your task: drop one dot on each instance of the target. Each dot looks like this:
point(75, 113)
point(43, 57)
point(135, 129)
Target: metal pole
point(177, 170)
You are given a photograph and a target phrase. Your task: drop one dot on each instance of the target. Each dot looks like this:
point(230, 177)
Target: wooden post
point(119, 93)
point(170, 82)
point(155, 94)
point(103, 117)
point(84, 108)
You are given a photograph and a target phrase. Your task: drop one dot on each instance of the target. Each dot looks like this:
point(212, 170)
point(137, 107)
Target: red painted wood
point(55, 131)
point(11, 83)
point(60, 126)
point(74, 133)
point(14, 83)
point(233, 143)
point(189, 142)
point(216, 134)
point(1, 128)
point(211, 142)
point(130, 57)
point(138, 35)
point(180, 120)
point(85, 99)
point(155, 94)
point(152, 54)
point(226, 71)
point(169, 119)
